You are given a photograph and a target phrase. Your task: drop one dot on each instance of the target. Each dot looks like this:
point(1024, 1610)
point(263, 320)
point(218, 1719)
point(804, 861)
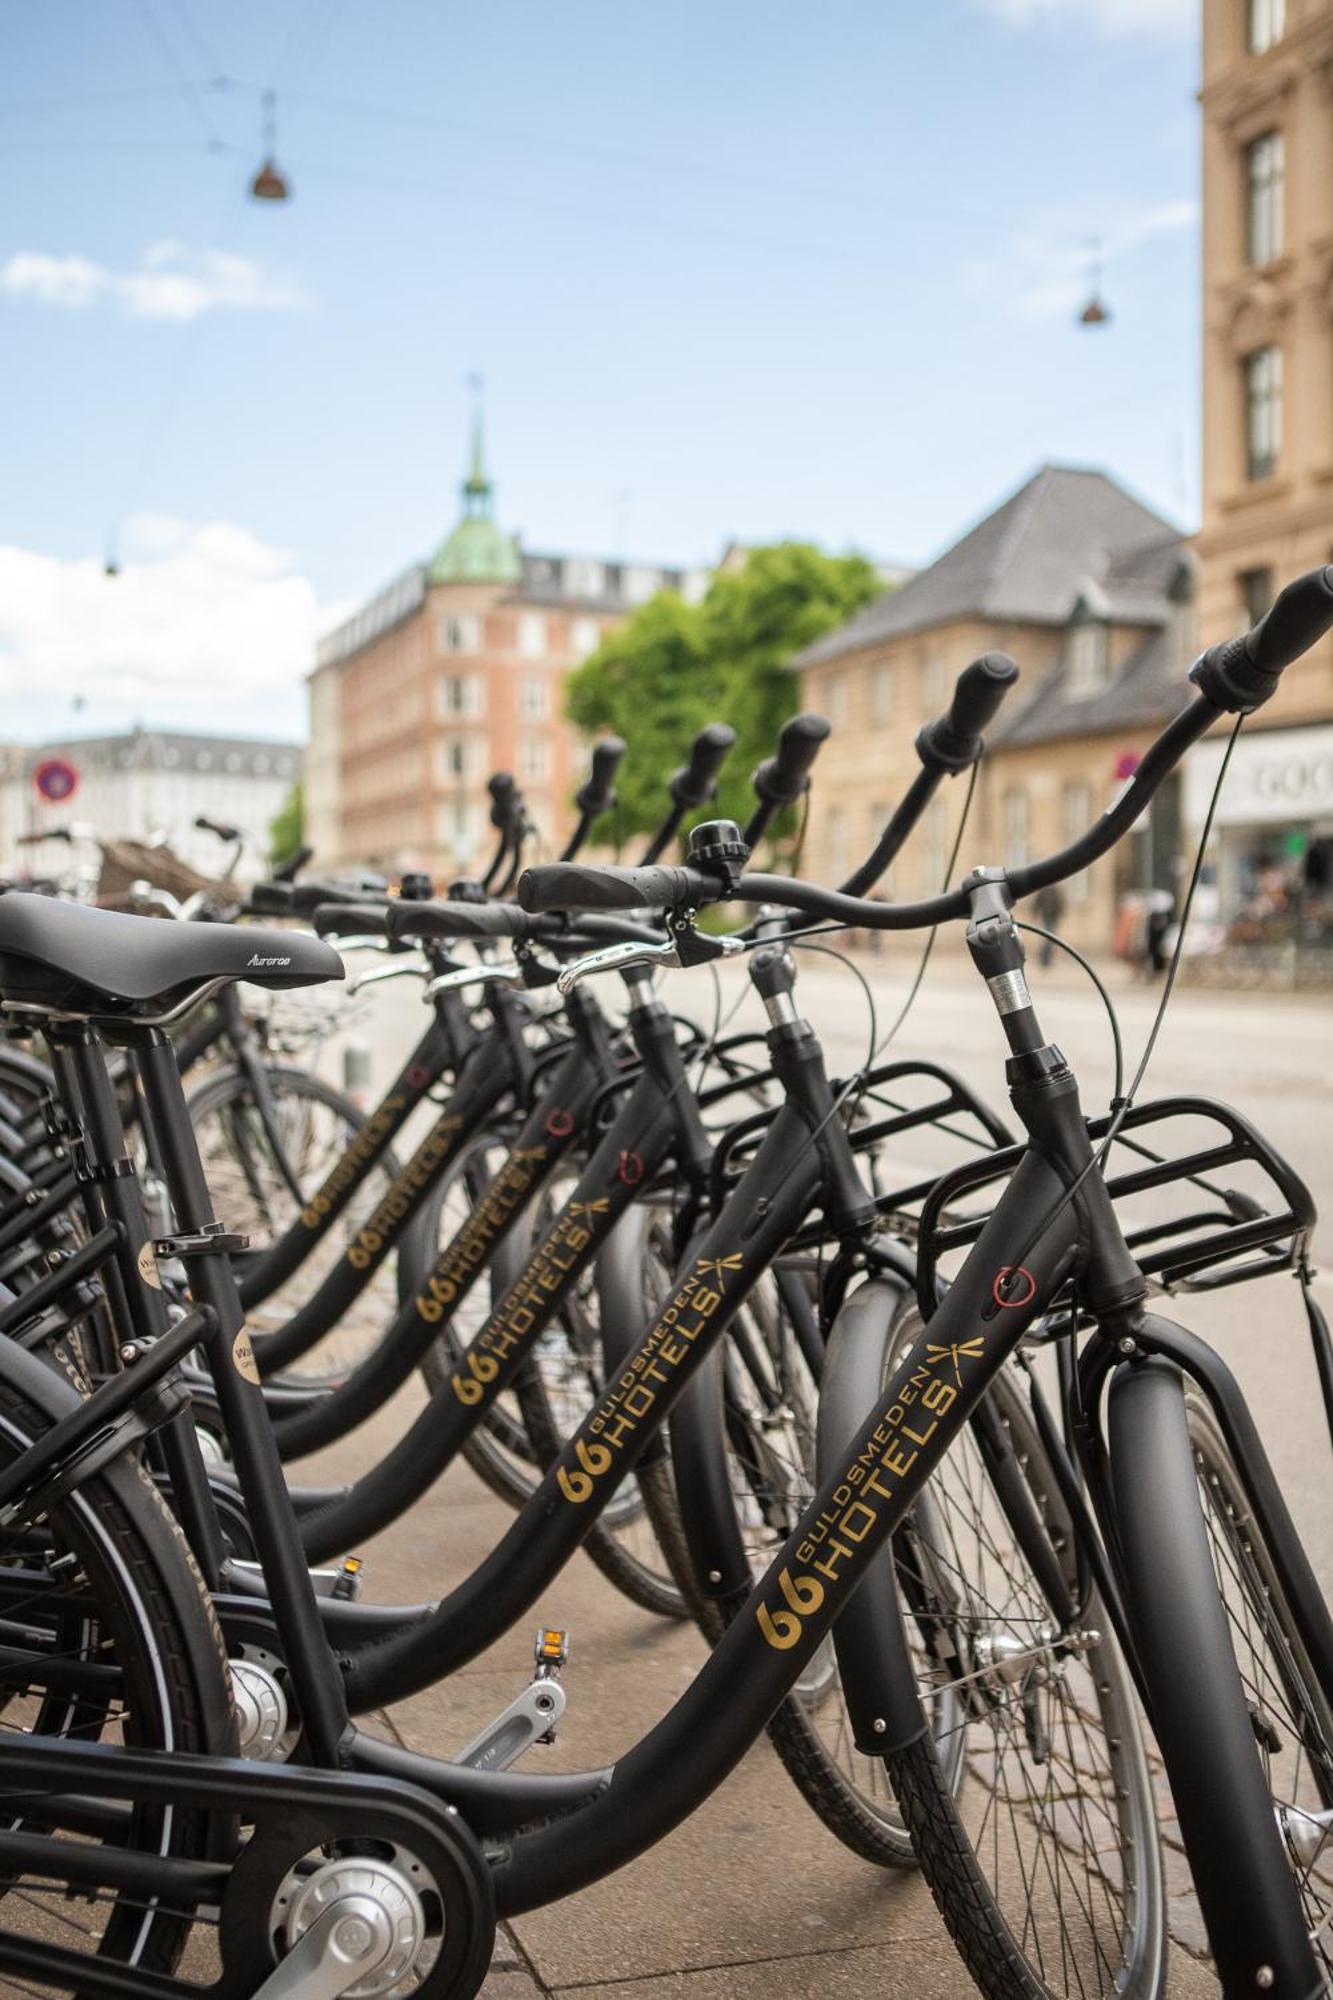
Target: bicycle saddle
point(79, 960)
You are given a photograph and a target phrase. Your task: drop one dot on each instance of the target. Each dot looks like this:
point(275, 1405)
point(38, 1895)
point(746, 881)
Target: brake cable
point(1122, 1106)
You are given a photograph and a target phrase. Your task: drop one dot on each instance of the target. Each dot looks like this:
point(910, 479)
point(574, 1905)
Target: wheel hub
point(381, 1918)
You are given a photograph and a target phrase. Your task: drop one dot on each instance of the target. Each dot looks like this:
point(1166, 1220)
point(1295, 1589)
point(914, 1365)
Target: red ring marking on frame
point(1006, 1271)
point(560, 1124)
point(417, 1077)
point(630, 1169)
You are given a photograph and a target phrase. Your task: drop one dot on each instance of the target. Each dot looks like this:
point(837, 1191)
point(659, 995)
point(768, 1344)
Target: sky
point(742, 269)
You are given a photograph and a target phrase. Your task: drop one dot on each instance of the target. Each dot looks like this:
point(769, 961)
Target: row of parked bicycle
point(990, 1548)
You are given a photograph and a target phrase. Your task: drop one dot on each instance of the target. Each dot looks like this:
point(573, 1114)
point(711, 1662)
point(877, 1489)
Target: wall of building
point(412, 725)
point(1273, 526)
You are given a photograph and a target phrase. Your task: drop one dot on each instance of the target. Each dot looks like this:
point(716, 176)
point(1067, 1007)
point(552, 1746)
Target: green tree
point(286, 830)
point(672, 667)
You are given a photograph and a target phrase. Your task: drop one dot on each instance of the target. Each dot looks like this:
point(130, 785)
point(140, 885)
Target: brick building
point(1092, 593)
point(454, 671)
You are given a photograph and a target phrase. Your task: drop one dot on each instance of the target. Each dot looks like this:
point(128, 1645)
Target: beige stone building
point(1267, 103)
point(454, 671)
point(1092, 593)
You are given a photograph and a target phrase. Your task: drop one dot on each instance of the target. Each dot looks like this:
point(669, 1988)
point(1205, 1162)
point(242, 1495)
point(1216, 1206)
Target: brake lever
point(622, 957)
point(473, 975)
point(403, 963)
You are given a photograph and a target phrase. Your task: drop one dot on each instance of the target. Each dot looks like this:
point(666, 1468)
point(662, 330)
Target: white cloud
point(170, 282)
point(1046, 272)
point(1112, 17)
point(202, 617)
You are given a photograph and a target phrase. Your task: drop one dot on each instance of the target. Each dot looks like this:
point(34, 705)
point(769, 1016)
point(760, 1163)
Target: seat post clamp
point(211, 1241)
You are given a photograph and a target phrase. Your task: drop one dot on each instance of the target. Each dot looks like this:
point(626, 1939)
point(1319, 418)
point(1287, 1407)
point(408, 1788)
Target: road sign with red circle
point(56, 780)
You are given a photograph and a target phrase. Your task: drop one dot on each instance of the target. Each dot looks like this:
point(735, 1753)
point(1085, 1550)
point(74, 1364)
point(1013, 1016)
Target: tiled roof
point(1147, 690)
point(1024, 563)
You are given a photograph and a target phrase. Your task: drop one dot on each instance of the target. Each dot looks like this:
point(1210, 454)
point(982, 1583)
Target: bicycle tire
point(151, 1616)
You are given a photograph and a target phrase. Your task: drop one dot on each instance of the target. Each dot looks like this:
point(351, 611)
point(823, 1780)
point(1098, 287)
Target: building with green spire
point(452, 672)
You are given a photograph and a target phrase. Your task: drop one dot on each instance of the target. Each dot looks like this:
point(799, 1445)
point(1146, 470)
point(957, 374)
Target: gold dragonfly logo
point(596, 1207)
point(973, 1350)
point(717, 1265)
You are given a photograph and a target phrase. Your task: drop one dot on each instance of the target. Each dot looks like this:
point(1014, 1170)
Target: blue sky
point(752, 269)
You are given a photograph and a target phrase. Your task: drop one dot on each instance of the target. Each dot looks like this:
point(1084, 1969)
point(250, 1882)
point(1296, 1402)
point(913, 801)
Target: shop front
point(1266, 901)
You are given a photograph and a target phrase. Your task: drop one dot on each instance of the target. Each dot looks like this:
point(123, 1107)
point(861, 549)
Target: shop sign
point(1276, 777)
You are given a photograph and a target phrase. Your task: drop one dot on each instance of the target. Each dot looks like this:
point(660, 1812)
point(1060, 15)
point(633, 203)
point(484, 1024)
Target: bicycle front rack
point(1224, 1235)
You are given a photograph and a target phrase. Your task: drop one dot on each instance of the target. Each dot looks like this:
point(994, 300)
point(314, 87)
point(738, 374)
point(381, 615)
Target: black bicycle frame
point(439, 1050)
point(495, 1066)
point(557, 1120)
point(658, 1119)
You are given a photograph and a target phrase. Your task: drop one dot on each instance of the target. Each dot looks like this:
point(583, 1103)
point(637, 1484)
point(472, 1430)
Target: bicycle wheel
point(1042, 1848)
point(114, 1643)
point(251, 1195)
point(760, 1410)
point(637, 1543)
point(498, 1449)
point(1289, 1711)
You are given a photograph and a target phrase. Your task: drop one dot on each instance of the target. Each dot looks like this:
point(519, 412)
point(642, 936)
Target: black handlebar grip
point(955, 740)
point(695, 783)
point(1241, 674)
point(350, 919)
point(598, 795)
point(288, 869)
point(574, 885)
point(466, 920)
point(503, 792)
point(306, 897)
point(780, 780)
point(217, 826)
point(271, 899)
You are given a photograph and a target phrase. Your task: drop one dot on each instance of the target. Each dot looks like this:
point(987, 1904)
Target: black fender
point(879, 1683)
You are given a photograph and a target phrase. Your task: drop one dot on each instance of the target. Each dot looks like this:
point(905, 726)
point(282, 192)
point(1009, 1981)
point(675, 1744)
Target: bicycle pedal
point(531, 1716)
point(347, 1583)
point(550, 1652)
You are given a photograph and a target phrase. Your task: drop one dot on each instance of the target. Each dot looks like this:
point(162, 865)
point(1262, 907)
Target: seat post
point(316, 1680)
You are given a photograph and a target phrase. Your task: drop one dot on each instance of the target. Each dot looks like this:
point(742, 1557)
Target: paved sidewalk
point(751, 1897)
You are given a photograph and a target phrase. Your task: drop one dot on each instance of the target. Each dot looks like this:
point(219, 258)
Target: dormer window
point(1087, 652)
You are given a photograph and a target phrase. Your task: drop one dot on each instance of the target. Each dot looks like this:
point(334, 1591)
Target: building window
point(881, 696)
point(585, 636)
point(583, 578)
point(1077, 812)
point(1256, 594)
point(534, 760)
point(532, 635)
point(639, 583)
point(837, 699)
point(459, 694)
point(1015, 829)
point(1088, 653)
point(837, 844)
point(1263, 411)
point(1264, 178)
point(533, 701)
point(455, 757)
point(460, 633)
point(1267, 21)
point(932, 684)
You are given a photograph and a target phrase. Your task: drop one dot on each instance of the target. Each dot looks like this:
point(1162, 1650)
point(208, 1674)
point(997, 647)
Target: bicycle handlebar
point(1241, 674)
point(954, 742)
point(598, 794)
point(695, 783)
point(783, 778)
point(1237, 675)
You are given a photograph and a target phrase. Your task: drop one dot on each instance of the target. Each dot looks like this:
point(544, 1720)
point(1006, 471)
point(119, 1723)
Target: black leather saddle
point(68, 957)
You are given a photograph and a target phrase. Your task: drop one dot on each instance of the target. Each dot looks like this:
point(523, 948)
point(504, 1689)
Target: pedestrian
point(1161, 905)
point(1050, 906)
